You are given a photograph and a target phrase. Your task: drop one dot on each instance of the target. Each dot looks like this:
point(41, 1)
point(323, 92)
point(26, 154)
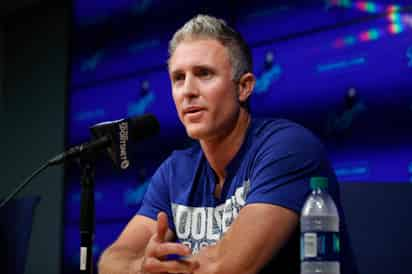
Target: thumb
point(162, 226)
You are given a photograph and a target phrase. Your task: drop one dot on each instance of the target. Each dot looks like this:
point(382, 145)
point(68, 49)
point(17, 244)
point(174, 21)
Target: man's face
point(204, 93)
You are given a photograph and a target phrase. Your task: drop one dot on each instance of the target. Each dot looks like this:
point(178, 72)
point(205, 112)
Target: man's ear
point(246, 85)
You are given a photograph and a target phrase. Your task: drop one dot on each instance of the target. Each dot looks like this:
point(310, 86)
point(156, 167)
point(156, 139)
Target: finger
point(153, 265)
point(165, 249)
point(162, 226)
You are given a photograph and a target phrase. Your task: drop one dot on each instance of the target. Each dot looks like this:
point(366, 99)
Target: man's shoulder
point(283, 131)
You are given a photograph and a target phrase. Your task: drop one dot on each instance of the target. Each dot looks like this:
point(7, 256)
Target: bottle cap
point(318, 183)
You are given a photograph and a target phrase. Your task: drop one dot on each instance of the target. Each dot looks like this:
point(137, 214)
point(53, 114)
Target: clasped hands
point(158, 249)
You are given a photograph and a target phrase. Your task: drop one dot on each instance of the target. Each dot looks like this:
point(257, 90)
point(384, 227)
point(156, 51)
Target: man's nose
point(190, 88)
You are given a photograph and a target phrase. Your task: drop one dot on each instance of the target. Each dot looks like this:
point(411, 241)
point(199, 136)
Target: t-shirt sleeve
point(283, 166)
point(157, 196)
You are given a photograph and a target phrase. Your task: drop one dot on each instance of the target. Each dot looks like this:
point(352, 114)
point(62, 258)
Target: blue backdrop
point(341, 68)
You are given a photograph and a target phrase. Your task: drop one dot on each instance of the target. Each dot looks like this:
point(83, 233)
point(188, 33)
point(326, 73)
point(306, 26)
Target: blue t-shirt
point(273, 166)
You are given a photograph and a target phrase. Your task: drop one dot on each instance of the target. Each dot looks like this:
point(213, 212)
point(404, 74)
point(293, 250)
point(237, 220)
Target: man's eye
point(178, 78)
point(205, 73)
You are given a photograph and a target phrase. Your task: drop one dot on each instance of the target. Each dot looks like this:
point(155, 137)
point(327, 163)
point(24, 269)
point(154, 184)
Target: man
point(230, 204)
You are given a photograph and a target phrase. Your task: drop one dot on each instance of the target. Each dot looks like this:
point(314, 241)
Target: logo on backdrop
point(352, 170)
point(358, 61)
point(147, 98)
point(91, 63)
point(89, 115)
point(339, 124)
point(410, 172)
point(271, 74)
point(141, 6)
point(266, 79)
point(198, 227)
point(141, 46)
point(409, 55)
point(268, 11)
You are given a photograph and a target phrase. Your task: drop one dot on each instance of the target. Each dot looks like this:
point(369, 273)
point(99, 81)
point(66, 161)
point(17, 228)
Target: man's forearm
point(215, 259)
point(267, 228)
point(119, 260)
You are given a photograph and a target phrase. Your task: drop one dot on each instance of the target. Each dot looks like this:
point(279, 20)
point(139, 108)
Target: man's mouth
point(193, 113)
point(192, 110)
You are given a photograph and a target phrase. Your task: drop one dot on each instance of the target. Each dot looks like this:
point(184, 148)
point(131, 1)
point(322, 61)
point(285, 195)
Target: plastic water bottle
point(319, 227)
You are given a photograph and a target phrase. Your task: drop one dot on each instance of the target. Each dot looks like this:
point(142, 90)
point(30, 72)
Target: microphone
point(113, 136)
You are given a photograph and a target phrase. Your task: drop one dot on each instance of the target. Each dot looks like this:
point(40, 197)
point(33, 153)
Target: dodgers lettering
point(198, 227)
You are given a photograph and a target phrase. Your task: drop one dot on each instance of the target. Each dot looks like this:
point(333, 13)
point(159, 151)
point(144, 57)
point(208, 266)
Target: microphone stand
point(86, 154)
point(87, 213)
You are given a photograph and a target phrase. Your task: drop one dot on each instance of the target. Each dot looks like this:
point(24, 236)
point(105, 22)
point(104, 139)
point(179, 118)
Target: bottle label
point(319, 246)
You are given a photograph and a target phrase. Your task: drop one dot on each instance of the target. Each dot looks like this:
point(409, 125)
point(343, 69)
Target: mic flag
point(122, 133)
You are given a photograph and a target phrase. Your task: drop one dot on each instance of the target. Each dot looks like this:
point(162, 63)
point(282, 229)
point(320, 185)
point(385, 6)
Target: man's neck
point(219, 152)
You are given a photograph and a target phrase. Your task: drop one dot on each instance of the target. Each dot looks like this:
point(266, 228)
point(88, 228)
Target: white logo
point(198, 227)
point(123, 137)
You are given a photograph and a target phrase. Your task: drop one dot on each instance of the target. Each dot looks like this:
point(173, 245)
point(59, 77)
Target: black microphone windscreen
point(143, 126)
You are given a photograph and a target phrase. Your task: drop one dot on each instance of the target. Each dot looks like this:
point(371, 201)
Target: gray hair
point(205, 26)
